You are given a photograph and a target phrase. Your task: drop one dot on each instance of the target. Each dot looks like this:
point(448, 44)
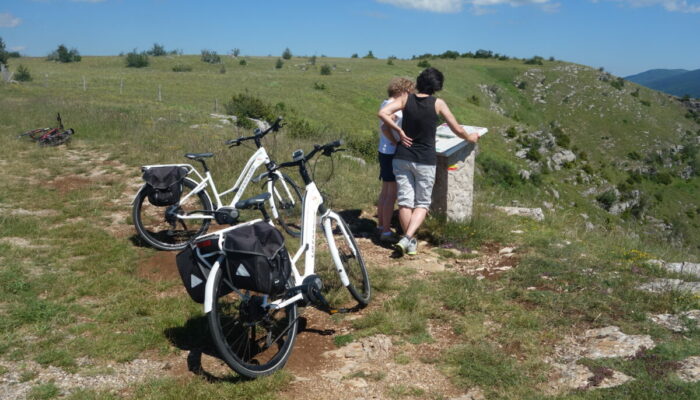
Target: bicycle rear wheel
point(159, 227)
point(253, 341)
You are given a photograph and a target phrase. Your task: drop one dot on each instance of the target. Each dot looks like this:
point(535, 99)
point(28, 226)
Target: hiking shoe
point(386, 237)
point(412, 247)
point(402, 245)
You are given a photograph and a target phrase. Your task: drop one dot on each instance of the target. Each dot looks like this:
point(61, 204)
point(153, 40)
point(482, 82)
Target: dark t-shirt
point(419, 123)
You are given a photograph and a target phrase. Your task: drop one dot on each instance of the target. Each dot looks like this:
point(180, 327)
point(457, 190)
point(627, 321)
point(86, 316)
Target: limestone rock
point(534, 213)
point(679, 322)
point(610, 342)
point(666, 285)
point(690, 369)
point(684, 268)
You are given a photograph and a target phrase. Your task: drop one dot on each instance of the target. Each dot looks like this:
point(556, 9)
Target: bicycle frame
point(310, 209)
point(258, 158)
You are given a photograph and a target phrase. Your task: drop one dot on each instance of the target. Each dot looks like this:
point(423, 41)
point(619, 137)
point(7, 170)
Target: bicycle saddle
point(253, 202)
point(197, 156)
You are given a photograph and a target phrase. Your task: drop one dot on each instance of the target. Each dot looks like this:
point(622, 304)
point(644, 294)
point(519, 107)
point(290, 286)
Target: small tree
point(370, 55)
point(287, 54)
point(210, 56)
point(243, 62)
point(3, 54)
point(22, 74)
point(157, 50)
point(326, 69)
point(354, 55)
point(62, 54)
point(136, 60)
point(279, 64)
point(235, 52)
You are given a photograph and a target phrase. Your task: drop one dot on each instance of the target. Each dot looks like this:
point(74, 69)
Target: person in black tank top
point(415, 158)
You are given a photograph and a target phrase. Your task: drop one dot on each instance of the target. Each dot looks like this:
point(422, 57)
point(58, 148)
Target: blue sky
point(623, 36)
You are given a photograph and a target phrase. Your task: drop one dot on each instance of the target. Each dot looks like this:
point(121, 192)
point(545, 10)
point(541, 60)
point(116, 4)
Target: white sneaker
point(412, 247)
point(403, 244)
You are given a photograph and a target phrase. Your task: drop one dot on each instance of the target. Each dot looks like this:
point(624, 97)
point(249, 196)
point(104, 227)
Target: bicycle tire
point(153, 227)
point(252, 342)
point(56, 139)
point(353, 263)
point(32, 133)
point(289, 214)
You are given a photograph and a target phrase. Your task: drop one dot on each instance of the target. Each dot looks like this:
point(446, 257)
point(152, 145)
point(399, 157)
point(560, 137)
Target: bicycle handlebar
point(327, 149)
point(257, 135)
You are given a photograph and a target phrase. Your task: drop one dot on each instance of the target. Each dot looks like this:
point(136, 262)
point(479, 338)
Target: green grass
point(76, 290)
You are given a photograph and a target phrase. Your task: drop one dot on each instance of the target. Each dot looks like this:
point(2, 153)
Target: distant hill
point(677, 82)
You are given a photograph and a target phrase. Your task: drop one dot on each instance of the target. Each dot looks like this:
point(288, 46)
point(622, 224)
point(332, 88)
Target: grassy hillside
point(614, 165)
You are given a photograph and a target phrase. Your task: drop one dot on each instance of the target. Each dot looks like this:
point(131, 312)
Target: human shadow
point(360, 227)
point(195, 338)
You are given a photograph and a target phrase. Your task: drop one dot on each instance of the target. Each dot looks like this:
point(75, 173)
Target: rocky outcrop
point(534, 213)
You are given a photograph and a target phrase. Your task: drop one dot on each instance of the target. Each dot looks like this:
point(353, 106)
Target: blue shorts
point(386, 169)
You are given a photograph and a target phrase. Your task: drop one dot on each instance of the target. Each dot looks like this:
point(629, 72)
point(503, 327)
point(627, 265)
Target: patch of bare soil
point(66, 184)
point(160, 267)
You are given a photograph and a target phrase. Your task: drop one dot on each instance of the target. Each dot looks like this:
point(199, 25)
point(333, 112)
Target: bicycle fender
point(209, 288)
point(133, 201)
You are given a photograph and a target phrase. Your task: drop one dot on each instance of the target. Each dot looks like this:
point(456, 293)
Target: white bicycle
point(171, 225)
point(255, 332)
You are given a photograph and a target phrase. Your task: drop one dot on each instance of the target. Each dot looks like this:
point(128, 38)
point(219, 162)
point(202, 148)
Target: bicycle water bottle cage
point(298, 155)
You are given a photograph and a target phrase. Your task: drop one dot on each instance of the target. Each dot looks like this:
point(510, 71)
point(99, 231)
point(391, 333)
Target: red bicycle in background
point(49, 136)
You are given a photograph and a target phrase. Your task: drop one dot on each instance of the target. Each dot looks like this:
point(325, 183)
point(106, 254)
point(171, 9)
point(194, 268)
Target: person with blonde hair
point(415, 158)
point(388, 139)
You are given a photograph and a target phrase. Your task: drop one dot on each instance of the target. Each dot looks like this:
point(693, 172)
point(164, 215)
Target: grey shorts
point(414, 182)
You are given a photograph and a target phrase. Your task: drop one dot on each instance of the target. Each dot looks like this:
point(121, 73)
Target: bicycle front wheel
point(352, 262)
point(288, 207)
point(253, 341)
point(161, 228)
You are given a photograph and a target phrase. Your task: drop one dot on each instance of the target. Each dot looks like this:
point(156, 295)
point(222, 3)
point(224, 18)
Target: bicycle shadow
point(195, 338)
point(360, 227)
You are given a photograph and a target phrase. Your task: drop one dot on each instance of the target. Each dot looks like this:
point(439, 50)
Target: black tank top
point(419, 123)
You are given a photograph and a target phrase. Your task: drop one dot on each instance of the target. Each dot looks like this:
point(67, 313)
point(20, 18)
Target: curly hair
point(398, 86)
point(430, 81)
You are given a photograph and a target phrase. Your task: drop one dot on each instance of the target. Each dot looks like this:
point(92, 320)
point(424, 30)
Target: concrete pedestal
point(453, 193)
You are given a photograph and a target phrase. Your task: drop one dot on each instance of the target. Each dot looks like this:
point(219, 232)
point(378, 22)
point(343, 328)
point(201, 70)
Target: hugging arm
point(386, 114)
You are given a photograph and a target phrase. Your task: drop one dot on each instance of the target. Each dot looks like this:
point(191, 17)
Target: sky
point(622, 36)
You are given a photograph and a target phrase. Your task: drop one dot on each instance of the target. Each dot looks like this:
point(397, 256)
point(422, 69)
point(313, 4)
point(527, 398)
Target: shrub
point(210, 56)
point(235, 52)
point(646, 103)
point(245, 123)
point(633, 155)
point(522, 85)
point(618, 83)
point(243, 62)
point(157, 50)
point(136, 60)
point(312, 60)
point(635, 93)
point(390, 62)
point(3, 54)
point(511, 132)
point(663, 178)
point(279, 64)
point(423, 64)
point(533, 155)
point(370, 55)
point(301, 128)
point(182, 68)
point(245, 105)
point(607, 199)
point(325, 69)
point(354, 55)
point(536, 60)
point(287, 54)
point(473, 100)
point(497, 171)
point(319, 86)
point(562, 139)
point(62, 54)
point(22, 74)
point(587, 169)
point(363, 145)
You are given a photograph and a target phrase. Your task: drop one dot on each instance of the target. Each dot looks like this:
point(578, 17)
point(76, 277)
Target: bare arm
point(386, 114)
point(442, 109)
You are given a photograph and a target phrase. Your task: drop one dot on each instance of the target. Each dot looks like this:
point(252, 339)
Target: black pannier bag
point(164, 184)
point(194, 272)
point(257, 259)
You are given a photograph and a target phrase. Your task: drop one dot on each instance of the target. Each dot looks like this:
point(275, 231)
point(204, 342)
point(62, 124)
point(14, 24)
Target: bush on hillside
point(62, 54)
point(370, 55)
point(325, 69)
point(319, 86)
point(3, 54)
point(498, 172)
point(245, 105)
point(158, 50)
point(182, 68)
point(607, 198)
point(235, 52)
point(243, 62)
point(279, 64)
point(536, 60)
point(312, 60)
point(301, 128)
point(618, 83)
point(354, 55)
point(210, 56)
point(364, 145)
point(423, 64)
point(22, 74)
point(287, 54)
point(136, 60)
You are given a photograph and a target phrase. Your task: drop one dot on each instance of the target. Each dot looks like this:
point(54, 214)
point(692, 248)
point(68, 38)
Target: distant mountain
point(677, 82)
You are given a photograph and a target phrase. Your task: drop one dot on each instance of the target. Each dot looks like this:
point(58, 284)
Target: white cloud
point(683, 6)
point(8, 20)
point(478, 6)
